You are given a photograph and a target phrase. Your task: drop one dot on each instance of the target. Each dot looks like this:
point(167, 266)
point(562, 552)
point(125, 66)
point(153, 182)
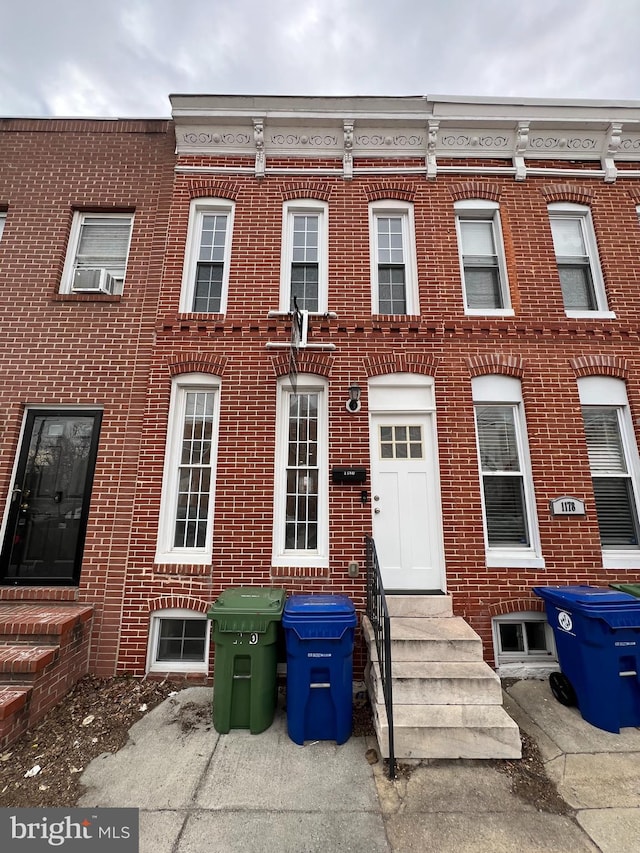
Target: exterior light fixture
point(353, 403)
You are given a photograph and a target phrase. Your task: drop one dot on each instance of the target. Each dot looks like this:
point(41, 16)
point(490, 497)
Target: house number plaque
point(567, 506)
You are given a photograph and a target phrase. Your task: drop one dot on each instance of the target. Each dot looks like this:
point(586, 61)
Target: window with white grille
point(394, 284)
point(301, 495)
point(186, 519)
point(205, 281)
point(178, 641)
point(304, 256)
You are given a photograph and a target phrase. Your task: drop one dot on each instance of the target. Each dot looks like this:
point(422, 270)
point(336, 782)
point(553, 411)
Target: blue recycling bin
point(319, 634)
point(597, 633)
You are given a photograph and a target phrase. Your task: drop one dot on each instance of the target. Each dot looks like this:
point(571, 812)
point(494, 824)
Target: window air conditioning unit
point(93, 281)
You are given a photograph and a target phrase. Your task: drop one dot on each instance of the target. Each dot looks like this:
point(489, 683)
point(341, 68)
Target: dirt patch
point(193, 716)
point(92, 719)
point(529, 779)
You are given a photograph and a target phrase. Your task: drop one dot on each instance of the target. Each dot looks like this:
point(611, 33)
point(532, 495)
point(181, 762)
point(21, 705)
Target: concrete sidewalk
point(199, 791)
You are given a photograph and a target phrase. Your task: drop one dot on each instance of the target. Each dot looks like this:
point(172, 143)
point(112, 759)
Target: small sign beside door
point(567, 505)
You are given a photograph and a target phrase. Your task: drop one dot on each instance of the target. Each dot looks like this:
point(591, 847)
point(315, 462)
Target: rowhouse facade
point(238, 342)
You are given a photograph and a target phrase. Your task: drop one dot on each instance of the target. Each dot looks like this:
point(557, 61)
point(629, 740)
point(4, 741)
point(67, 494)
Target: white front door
point(407, 518)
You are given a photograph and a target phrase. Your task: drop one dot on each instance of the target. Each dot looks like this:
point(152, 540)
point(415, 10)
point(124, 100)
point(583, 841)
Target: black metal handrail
point(378, 614)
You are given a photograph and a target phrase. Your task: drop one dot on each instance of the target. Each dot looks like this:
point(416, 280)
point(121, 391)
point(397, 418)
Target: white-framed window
point(523, 642)
point(185, 529)
point(394, 276)
point(97, 253)
point(574, 243)
point(3, 219)
point(482, 262)
point(205, 278)
point(304, 265)
point(615, 468)
point(301, 503)
point(510, 522)
point(178, 641)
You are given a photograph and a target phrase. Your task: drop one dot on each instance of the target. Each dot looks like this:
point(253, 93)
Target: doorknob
point(377, 510)
point(376, 497)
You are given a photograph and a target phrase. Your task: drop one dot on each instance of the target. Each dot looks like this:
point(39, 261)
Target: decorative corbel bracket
point(612, 144)
point(347, 157)
point(522, 143)
point(258, 139)
point(432, 141)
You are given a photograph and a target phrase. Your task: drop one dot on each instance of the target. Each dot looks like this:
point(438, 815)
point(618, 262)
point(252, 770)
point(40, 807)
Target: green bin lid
point(631, 588)
point(248, 600)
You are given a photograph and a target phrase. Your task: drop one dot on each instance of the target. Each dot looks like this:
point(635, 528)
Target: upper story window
point(205, 281)
point(97, 254)
point(3, 219)
point(304, 256)
point(482, 263)
point(511, 533)
point(394, 279)
point(615, 468)
point(576, 251)
point(185, 530)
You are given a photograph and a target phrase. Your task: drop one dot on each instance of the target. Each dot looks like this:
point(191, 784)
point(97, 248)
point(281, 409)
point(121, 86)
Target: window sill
point(299, 561)
point(87, 297)
point(514, 561)
point(621, 559)
point(591, 315)
point(497, 312)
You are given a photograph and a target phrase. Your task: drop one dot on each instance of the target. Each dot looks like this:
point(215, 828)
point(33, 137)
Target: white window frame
point(166, 551)
point(403, 210)
point(153, 664)
point(79, 218)
point(524, 663)
point(608, 392)
point(581, 213)
point(3, 221)
point(281, 556)
point(199, 208)
point(506, 390)
point(301, 207)
point(485, 211)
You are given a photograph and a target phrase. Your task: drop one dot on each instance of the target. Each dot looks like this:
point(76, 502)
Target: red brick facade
point(122, 353)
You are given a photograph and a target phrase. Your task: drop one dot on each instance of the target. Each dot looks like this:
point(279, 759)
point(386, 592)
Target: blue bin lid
point(589, 599)
point(303, 611)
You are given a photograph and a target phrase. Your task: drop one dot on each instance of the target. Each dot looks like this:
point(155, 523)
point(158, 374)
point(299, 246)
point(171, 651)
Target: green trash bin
point(245, 623)
point(631, 588)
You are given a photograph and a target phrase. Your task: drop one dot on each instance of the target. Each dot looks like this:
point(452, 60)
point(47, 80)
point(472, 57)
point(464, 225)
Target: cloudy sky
point(124, 57)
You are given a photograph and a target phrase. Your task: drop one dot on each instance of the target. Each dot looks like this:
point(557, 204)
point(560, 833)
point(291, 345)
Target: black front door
point(47, 520)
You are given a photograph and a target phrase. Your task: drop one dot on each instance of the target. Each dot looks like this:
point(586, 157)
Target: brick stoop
point(44, 650)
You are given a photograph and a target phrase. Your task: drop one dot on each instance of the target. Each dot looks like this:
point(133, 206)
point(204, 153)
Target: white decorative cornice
point(434, 131)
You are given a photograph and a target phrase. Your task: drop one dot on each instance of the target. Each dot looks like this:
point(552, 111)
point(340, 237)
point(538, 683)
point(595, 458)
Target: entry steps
point(44, 650)
point(447, 701)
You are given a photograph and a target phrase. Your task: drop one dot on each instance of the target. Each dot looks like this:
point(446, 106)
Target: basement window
point(523, 639)
point(178, 642)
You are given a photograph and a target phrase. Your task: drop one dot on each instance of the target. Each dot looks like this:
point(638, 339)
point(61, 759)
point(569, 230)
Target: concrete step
point(447, 638)
point(22, 661)
point(438, 683)
point(420, 605)
point(449, 731)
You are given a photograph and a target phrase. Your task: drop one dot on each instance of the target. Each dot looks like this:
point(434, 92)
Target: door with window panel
point(407, 524)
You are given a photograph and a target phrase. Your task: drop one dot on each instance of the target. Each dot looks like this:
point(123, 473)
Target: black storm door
point(47, 519)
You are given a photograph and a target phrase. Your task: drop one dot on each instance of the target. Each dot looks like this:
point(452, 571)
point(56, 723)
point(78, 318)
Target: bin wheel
point(562, 689)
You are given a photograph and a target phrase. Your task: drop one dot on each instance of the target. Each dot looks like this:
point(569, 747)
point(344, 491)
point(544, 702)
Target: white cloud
point(125, 56)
